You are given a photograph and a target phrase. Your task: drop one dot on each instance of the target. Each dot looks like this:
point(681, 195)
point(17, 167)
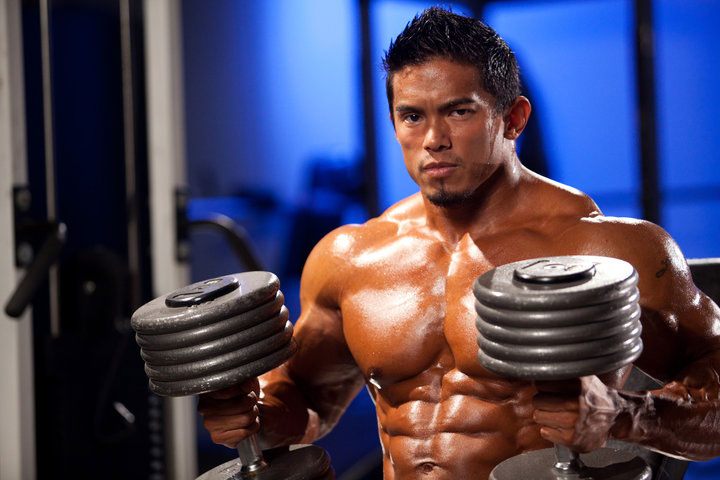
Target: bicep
point(322, 370)
point(680, 324)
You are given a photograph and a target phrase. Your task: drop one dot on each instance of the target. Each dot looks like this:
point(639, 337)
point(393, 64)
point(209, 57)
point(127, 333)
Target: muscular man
point(388, 304)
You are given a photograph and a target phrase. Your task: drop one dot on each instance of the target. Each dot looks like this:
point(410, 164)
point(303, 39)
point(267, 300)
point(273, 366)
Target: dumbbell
point(218, 333)
point(561, 318)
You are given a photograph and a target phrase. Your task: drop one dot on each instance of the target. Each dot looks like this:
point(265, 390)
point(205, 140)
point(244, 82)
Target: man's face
point(450, 137)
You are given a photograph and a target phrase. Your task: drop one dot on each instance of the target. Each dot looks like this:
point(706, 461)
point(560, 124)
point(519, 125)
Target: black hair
point(437, 32)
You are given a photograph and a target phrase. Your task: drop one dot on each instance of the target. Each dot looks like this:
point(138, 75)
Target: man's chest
point(415, 313)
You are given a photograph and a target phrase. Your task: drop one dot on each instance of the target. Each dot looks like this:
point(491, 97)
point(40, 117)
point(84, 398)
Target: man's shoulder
point(642, 243)
point(354, 239)
point(629, 231)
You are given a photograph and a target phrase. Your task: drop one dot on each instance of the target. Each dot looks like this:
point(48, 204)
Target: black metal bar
point(370, 163)
point(236, 236)
point(37, 272)
point(645, 56)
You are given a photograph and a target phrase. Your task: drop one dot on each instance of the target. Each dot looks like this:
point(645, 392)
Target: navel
point(426, 468)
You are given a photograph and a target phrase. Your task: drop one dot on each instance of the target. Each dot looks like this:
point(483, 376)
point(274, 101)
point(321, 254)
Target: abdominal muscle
point(458, 436)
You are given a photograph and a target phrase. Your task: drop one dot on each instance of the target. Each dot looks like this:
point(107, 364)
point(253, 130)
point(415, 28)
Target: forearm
point(295, 411)
point(285, 415)
point(682, 419)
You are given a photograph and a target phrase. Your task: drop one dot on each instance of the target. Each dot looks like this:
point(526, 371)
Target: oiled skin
point(388, 304)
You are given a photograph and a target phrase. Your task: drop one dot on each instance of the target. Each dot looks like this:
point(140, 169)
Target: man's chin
point(448, 199)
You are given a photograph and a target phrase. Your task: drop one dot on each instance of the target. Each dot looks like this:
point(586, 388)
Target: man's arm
point(681, 336)
point(304, 398)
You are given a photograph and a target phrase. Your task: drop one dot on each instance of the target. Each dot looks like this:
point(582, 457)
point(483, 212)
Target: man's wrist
point(637, 410)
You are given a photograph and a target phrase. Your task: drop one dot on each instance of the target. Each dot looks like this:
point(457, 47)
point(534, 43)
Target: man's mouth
point(439, 169)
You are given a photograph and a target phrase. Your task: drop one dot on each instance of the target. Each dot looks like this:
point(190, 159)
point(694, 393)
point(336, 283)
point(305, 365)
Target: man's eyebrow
point(405, 108)
point(455, 102)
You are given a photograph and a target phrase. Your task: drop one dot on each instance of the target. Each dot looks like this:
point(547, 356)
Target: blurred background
point(155, 131)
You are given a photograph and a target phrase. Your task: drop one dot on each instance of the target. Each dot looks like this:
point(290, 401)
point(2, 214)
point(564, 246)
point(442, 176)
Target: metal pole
point(49, 136)
point(166, 165)
point(131, 200)
point(644, 53)
point(17, 415)
point(370, 164)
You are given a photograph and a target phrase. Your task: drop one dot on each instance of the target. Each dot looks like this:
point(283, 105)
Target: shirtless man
point(388, 304)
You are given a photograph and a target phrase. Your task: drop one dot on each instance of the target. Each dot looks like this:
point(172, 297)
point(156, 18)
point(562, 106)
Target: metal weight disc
point(206, 333)
point(622, 342)
point(226, 361)
point(217, 381)
point(601, 464)
point(218, 346)
point(620, 306)
point(502, 288)
point(299, 462)
point(156, 317)
point(624, 323)
point(562, 370)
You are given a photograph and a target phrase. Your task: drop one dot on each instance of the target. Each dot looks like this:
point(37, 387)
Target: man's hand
point(580, 422)
point(231, 415)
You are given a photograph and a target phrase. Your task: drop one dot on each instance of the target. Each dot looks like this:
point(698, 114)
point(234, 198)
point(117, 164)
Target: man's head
point(440, 33)
point(455, 105)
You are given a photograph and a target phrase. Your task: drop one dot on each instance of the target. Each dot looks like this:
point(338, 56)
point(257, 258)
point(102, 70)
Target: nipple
point(373, 373)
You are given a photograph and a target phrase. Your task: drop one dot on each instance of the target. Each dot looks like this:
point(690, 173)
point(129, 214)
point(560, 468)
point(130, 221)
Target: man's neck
point(495, 200)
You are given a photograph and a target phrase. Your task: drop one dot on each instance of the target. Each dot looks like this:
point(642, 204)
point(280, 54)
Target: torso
point(409, 322)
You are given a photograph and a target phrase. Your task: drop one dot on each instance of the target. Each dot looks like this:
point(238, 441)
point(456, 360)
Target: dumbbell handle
point(568, 461)
point(250, 455)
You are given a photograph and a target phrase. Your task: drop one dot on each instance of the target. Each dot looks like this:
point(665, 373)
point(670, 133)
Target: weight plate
point(538, 335)
point(217, 381)
point(601, 464)
point(499, 288)
point(218, 346)
point(563, 352)
point(206, 333)
point(621, 306)
point(240, 356)
point(562, 370)
point(300, 462)
point(255, 289)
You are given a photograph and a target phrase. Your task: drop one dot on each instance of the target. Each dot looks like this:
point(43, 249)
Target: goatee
point(448, 199)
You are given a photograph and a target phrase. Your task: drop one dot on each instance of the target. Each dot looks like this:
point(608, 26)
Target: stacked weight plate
point(558, 318)
point(214, 334)
point(218, 333)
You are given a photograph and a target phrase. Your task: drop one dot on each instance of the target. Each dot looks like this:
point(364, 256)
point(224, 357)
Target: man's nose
point(437, 137)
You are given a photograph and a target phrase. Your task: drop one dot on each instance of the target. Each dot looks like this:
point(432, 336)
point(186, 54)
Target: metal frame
point(166, 163)
point(17, 415)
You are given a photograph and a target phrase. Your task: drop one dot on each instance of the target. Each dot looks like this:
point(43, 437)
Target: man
point(388, 304)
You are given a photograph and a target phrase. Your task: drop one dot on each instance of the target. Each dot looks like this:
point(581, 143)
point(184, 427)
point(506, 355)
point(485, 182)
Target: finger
point(230, 438)
point(248, 420)
point(557, 435)
point(555, 402)
point(237, 405)
point(251, 385)
point(564, 420)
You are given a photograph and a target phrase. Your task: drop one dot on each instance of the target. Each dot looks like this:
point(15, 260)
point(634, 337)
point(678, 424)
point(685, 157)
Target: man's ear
point(516, 117)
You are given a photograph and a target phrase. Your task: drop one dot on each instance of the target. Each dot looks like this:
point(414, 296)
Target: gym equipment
point(222, 332)
point(560, 318)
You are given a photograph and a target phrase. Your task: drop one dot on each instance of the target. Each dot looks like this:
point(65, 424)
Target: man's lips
point(439, 169)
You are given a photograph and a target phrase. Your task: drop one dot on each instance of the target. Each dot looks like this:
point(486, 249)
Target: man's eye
point(412, 118)
point(461, 112)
